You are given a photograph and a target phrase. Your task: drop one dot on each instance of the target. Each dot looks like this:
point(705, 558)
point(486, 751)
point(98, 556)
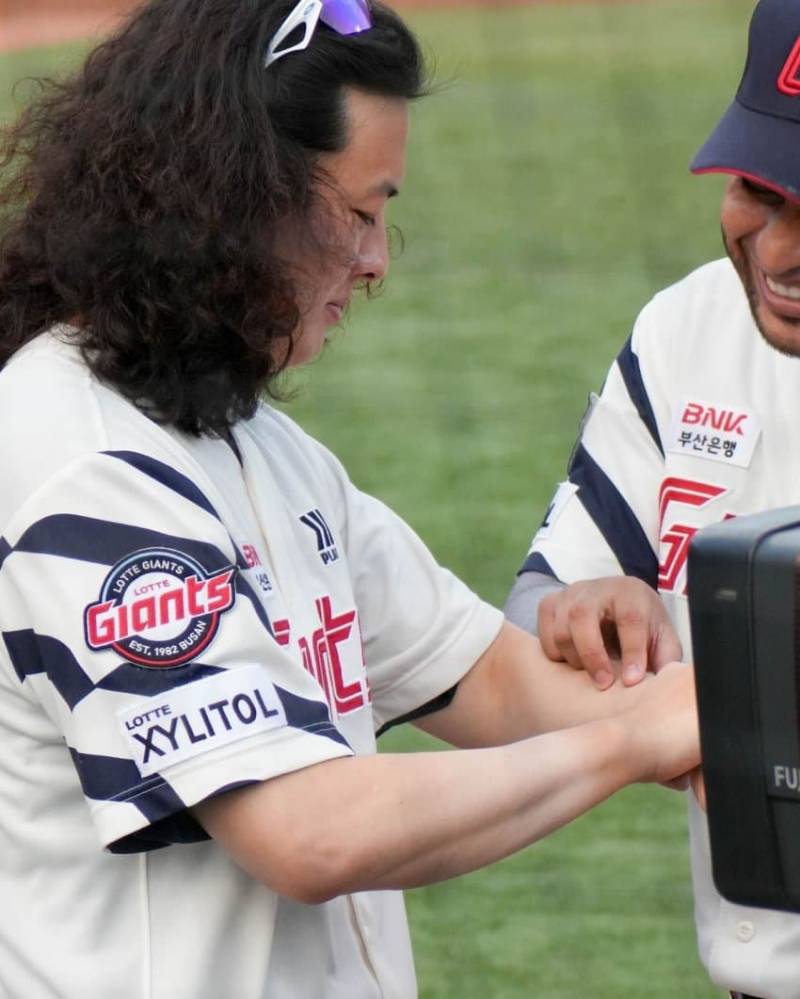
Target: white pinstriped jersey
point(178, 617)
point(695, 423)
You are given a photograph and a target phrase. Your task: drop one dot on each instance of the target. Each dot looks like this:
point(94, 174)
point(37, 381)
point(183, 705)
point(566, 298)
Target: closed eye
point(366, 218)
point(761, 193)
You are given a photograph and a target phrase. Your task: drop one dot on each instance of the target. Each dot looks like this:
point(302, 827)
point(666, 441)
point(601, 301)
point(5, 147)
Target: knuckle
point(593, 658)
point(579, 611)
point(631, 616)
point(562, 640)
point(548, 603)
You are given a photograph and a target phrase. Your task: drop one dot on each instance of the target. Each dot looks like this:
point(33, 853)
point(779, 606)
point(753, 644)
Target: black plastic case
point(744, 596)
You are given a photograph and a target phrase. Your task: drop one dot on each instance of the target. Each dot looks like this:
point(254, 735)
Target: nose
point(778, 242)
point(372, 258)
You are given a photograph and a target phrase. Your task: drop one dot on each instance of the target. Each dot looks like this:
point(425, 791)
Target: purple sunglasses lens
point(347, 17)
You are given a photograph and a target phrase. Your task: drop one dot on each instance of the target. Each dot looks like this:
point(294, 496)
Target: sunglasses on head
point(346, 17)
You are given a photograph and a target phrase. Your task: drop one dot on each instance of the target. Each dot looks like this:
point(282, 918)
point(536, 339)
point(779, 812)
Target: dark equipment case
point(744, 604)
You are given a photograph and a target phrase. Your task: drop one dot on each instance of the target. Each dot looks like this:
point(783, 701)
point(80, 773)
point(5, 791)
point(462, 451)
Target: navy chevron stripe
point(109, 778)
point(536, 562)
point(5, 551)
point(184, 486)
point(167, 476)
point(149, 682)
point(632, 376)
point(31, 654)
point(310, 715)
point(104, 542)
point(244, 589)
point(181, 484)
point(613, 518)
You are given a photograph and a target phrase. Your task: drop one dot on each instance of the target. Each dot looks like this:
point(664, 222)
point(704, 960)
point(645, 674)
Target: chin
point(781, 334)
point(307, 348)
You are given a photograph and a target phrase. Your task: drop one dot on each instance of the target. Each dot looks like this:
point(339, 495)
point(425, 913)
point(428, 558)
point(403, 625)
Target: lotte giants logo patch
point(158, 607)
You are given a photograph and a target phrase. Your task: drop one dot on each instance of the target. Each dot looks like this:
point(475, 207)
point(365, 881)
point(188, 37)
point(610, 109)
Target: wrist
point(630, 755)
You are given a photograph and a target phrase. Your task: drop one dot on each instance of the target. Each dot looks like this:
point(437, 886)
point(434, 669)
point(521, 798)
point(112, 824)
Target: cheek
point(740, 218)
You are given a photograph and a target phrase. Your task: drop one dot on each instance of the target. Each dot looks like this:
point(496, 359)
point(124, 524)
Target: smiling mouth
point(780, 299)
point(784, 290)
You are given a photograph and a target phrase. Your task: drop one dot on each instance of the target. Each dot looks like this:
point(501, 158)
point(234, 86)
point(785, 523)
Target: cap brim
point(761, 147)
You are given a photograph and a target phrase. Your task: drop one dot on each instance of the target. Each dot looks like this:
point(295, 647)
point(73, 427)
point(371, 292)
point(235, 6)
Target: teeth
point(782, 289)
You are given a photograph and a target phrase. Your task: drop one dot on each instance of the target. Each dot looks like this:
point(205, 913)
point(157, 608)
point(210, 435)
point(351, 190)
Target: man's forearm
point(396, 821)
point(514, 691)
point(400, 821)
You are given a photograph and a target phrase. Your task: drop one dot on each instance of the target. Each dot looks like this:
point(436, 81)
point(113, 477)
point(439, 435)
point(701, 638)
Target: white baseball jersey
point(695, 424)
point(180, 617)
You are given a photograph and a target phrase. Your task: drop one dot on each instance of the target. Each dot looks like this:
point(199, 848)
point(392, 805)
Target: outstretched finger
point(590, 649)
point(633, 634)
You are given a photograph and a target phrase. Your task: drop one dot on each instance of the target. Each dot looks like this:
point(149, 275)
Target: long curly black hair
point(140, 197)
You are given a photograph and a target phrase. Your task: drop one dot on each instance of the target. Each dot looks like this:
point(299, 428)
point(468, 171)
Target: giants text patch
point(158, 607)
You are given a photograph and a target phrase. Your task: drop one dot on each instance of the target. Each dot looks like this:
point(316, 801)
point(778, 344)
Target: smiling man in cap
point(696, 423)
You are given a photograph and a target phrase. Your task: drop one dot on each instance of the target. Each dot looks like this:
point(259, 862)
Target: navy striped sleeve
point(631, 372)
point(614, 518)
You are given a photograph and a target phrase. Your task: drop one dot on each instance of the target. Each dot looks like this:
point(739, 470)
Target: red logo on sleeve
point(158, 607)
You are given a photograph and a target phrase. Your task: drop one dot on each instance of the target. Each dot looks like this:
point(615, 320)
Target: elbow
point(315, 873)
point(306, 887)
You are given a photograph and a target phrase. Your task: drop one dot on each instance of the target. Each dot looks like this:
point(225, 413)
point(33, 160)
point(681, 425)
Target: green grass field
point(547, 198)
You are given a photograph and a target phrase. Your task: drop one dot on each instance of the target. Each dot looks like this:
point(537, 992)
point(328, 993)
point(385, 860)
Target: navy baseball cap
point(759, 135)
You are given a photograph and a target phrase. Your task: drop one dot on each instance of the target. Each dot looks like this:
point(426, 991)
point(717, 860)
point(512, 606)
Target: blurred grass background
point(547, 199)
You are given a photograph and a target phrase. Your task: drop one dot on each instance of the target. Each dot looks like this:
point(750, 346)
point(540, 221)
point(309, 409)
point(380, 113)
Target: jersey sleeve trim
point(158, 806)
point(156, 812)
point(436, 704)
point(614, 518)
point(168, 821)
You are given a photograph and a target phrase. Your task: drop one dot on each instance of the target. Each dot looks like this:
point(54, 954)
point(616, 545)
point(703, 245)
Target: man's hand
point(608, 626)
point(658, 719)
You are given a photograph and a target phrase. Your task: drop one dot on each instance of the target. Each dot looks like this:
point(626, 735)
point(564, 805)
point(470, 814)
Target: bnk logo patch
point(158, 607)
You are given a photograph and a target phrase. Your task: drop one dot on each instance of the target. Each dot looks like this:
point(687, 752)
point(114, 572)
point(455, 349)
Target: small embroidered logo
point(325, 542)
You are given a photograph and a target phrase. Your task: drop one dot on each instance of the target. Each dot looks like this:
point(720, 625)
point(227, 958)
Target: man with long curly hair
point(204, 623)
